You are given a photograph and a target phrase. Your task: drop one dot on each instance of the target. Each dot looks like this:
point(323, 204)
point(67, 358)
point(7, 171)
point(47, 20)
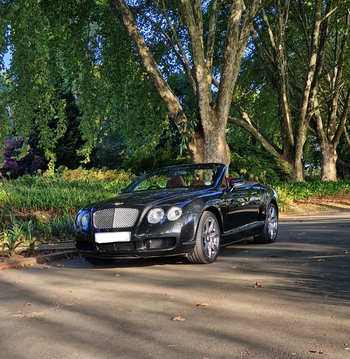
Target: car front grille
point(115, 218)
point(116, 247)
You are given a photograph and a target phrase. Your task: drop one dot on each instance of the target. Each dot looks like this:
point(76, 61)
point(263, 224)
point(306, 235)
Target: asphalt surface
point(289, 299)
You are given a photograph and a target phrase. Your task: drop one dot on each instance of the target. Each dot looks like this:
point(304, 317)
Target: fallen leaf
point(117, 275)
point(202, 305)
point(32, 315)
point(319, 351)
point(28, 305)
point(233, 267)
point(178, 319)
point(59, 265)
point(18, 281)
point(45, 267)
point(257, 285)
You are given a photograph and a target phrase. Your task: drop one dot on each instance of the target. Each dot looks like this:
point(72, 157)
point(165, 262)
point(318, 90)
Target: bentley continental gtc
point(182, 210)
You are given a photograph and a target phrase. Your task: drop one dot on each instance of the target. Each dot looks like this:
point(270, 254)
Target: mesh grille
point(115, 247)
point(115, 218)
point(160, 243)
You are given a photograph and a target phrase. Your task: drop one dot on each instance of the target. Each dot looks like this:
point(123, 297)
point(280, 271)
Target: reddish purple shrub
point(15, 167)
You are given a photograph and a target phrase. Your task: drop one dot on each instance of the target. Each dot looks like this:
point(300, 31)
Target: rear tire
point(99, 261)
point(269, 232)
point(207, 238)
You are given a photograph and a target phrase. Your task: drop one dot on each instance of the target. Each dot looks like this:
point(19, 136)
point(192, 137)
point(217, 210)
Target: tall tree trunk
point(209, 144)
point(328, 163)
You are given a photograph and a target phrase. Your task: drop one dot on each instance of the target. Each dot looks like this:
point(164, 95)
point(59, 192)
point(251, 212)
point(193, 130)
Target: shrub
point(12, 238)
point(17, 164)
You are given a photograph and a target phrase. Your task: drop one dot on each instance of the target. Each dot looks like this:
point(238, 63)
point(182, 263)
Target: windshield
point(182, 176)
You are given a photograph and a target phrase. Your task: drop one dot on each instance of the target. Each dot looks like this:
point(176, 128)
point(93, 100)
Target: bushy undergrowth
point(289, 191)
point(42, 208)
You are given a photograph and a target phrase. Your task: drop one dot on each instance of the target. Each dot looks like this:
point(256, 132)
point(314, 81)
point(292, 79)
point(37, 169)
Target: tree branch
point(250, 126)
point(174, 107)
point(211, 36)
point(181, 55)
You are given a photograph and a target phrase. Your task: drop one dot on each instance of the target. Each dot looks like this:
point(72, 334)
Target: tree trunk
point(209, 144)
point(328, 163)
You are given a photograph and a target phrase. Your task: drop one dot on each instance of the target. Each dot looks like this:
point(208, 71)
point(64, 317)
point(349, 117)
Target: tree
point(78, 39)
point(331, 99)
point(76, 47)
point(302, 49)
point(192, 41)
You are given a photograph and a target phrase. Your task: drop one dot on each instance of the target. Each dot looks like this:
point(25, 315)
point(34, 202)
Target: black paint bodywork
point(239, 206)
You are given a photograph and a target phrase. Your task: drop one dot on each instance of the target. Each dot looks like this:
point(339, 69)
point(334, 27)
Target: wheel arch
point(274, 202)
point(217, 214)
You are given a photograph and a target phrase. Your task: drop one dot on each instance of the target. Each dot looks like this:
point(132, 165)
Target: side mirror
point(236, 182)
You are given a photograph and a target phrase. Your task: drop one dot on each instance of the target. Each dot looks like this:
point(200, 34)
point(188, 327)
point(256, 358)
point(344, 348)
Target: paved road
point(73, 310)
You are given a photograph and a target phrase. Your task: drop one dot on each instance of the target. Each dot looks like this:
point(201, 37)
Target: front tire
point(207, 245)
point(269, 232)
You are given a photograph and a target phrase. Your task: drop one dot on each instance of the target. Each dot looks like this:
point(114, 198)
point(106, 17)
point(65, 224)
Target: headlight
point(155, 215)
point(174, 213)
point(82, 220)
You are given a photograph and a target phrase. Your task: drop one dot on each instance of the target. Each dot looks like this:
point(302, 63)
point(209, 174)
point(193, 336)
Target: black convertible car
point(187, 210)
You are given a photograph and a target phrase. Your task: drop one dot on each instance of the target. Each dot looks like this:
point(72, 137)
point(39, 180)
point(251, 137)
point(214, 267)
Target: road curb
point(42, 259)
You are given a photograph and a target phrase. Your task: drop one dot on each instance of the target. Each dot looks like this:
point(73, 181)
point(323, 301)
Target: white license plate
point(110, 237)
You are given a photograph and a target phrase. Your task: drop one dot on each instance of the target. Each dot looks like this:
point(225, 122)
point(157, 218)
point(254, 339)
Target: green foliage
point(63, 193)
point(291, 191)
point(71, 47)
point(5, 126)
point(68, 145)
point(141, 160)
point(30, 239)
point(250, 161)
point(12, 239)
point(57, 228)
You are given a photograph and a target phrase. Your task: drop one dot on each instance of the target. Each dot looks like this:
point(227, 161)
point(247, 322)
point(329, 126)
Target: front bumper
point(154, 242)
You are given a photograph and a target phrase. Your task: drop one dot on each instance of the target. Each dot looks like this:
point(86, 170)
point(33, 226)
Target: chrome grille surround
point(115, 218)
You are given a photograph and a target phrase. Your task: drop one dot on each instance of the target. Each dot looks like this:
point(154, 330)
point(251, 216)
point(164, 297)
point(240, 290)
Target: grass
point(42, 209)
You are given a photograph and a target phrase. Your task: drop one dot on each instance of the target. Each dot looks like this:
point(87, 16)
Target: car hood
point(151, 198)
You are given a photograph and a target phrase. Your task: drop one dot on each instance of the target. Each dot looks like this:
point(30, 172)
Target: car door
point(242, 206)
